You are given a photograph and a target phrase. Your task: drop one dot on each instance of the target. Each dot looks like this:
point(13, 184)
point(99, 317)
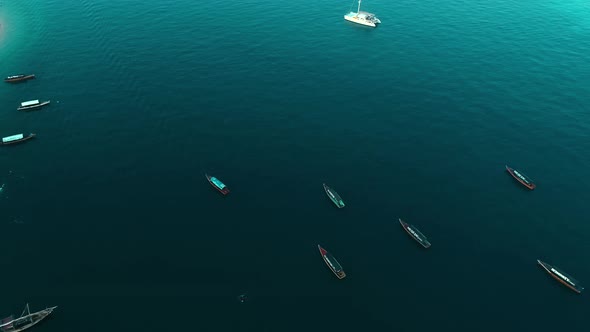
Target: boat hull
point(19, 79)
point(550, 269)
point(224, 191)
point(35, 319)
point(356, 20)
point(525, 182)
point(333, 196)
point(24, 139)
point(330, 261)
point(33, 107)
point(415, 234)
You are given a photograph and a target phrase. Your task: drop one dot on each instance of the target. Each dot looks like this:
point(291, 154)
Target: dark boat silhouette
point(19, 78)
point(415, 233)
point(332, 263)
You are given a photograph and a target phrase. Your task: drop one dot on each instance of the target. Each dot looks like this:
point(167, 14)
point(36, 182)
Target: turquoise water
point(108, 213)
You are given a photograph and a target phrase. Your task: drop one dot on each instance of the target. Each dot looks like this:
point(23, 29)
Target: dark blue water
point(108, 214)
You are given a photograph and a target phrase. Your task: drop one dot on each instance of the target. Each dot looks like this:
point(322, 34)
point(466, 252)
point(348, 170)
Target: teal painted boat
point(217, 184)
point(334, 197)
point(15, 139)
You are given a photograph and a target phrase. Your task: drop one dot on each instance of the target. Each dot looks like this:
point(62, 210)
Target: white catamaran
point(26, 320)
point(363, 18)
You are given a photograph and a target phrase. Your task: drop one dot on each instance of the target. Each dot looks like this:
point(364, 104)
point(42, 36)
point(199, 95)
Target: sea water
point(415, 119)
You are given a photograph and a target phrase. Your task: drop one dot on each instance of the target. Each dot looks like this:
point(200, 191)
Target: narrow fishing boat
point(32, 104)
point(15, 139)
point(334, 197)
point(520, 177)
point(19, 78)
point(332, 263)
point(26, 320)
point(415, 234)
point(562, 277)
point(220, 186)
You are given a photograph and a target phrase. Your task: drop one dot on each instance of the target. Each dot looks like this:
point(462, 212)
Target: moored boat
point(334, 197)
point(26, 320)
point(363, 18)
point(217, 184)
point(18, 78)
point(15, 139)
point(332, 263)
point(520, 177)
point(562, 277)
point(415, 233)
point(32, 104)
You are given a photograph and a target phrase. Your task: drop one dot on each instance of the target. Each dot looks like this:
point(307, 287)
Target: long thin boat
point(562, 277)
point(26, 320)
point(334, 197)
point(415, 233)
point(19, 78)
point(32, 104)
point(520, 177)
point(217, 184)
point(15, 139)
point(332, 263)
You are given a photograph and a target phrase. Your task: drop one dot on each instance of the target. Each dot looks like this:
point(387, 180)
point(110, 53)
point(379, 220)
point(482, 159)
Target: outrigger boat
point(332, 263)
point(415, 233)
point(523, 179)
point(32, 104)
point(15, 139)
point(19, 78)
point(220, 186)
point(26, 320)
point(334, 197)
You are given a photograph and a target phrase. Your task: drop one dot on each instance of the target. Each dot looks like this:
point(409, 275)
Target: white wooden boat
point(32, 104)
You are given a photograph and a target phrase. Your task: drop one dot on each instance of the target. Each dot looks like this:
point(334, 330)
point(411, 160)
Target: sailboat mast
point(26, 314)
point(26, 310)
point(358, 10)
